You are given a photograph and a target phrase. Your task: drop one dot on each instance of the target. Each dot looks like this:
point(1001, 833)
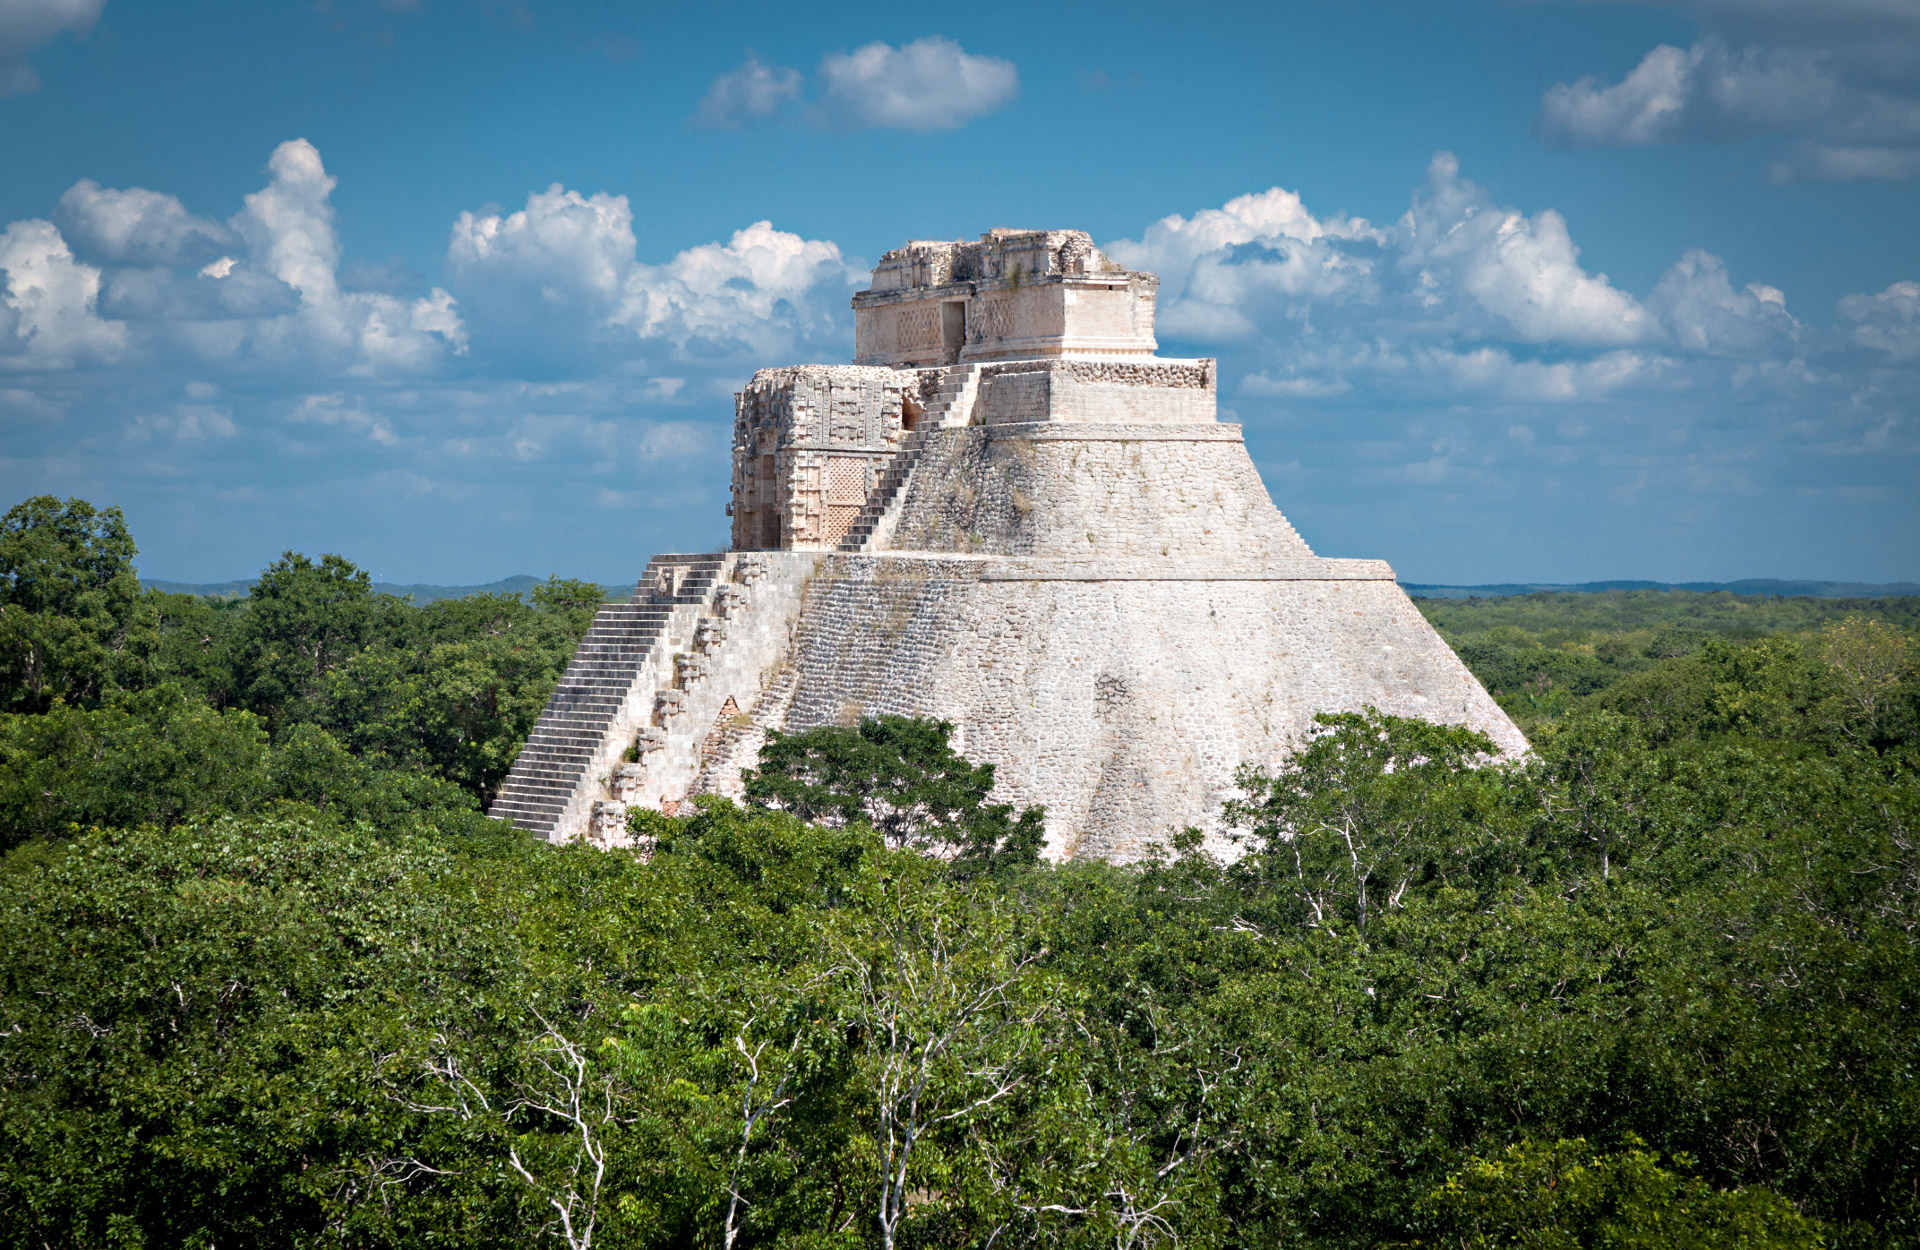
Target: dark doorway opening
point(953, 328)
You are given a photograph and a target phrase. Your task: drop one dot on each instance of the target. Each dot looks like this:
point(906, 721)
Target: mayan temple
point(1008, 513)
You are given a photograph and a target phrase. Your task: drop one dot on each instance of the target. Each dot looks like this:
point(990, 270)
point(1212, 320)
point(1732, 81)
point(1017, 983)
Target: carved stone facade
point(809, 442)
point(1011, 516)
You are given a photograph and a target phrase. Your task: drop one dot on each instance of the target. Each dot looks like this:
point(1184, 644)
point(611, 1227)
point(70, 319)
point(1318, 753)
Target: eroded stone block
point(608, 825)
point(627, 780)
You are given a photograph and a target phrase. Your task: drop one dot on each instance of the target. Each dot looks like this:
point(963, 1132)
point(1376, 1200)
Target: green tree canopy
point(1568, 1196)
point(304, 620)
point(68, 600)
point(902, 777)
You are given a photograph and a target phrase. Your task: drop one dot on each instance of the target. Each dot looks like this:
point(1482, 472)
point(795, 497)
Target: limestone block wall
point(904, 333)
point(1005, 318)
point(1092, 491)
point(1099, 688)
point(1098, 391)
point(715, 659)
point(996, 254)
point(637, 706)
point(1121, 693)
point(718, 673)
point(1010, 294)
point(1002, 319)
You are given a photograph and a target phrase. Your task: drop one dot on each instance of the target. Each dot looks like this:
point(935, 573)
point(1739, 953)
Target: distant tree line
point(1654, 986)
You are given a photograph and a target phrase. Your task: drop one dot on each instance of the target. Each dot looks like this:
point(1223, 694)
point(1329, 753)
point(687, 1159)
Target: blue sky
point(1517, 290)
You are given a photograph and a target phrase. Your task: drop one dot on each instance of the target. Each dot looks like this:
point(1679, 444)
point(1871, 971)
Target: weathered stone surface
point(1056, 547)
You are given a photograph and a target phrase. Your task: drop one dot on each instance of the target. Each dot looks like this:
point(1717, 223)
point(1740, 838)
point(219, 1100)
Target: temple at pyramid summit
point(1010, 514)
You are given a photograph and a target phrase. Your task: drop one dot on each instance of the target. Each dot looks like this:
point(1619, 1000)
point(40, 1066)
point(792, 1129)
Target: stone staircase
point(623, 643)
point(951, 408)
point(952, 404)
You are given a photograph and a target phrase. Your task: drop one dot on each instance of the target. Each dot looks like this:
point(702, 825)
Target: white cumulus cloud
point(53, 300)
point(287, 227)
point(564, 271)
point(759, 287)
point(1455, 268)
point(28, 24)
point(929, 84)
point(1464, 363)
point(1706, 315)
point(151, 280)
point(1889, 322)
point(1524, 270)
point(563, 243)
point(751, 90)
point(137, 227)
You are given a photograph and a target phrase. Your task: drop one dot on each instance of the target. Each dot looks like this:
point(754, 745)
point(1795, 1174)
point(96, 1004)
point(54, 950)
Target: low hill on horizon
point(520, 584)
point(1746, 586)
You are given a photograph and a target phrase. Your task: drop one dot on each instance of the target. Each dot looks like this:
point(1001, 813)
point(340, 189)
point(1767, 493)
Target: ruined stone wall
point(1092, 492)
point(1011, 294)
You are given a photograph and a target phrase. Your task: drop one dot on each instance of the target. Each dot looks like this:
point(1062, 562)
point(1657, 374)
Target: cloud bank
point(1463, 365)
point(1837, 80)
point(1458, 389)
point(243, 367)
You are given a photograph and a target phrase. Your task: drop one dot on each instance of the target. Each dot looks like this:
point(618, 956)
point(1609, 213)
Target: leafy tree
point(952, 1020)
point(1869, 659)
point(179, 1017)
point(1544, 655)
point(304, 620)
point(310, 766)
point(68, 603)
point(902, 777)
point(195, 647)
point(463, 691)
point(1598, 790)
point(153, 757)
point(1364, 807)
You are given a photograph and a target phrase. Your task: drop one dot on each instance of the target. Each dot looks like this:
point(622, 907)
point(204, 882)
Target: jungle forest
point(270, 978)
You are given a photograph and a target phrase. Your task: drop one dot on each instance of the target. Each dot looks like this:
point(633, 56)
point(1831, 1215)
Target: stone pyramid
point(1010, 514)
